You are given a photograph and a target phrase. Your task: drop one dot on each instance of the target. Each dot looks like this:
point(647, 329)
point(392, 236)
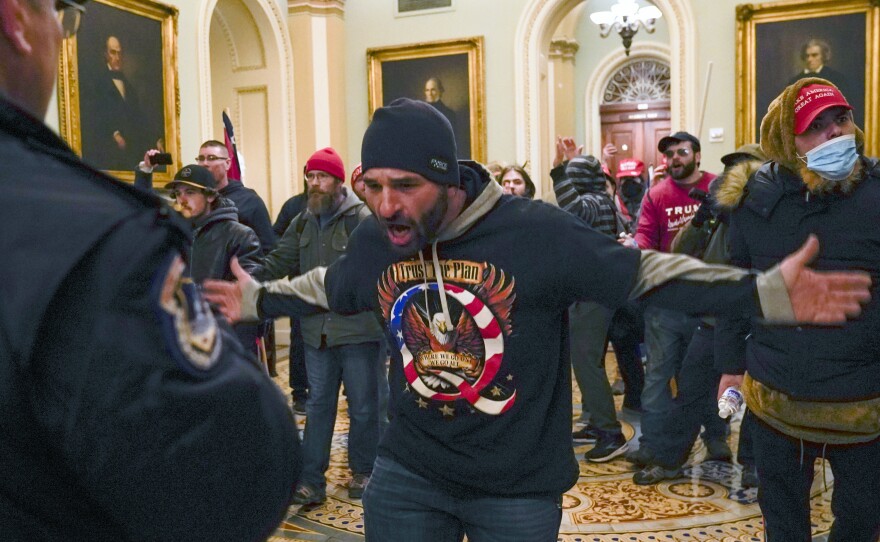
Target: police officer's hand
point(227, 296)
point(822, 297)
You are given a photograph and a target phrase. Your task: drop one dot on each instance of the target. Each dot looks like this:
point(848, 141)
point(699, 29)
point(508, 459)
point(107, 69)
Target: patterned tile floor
point(706, 504)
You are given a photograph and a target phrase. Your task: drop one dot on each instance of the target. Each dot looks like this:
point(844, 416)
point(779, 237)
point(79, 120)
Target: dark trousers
point(674, 431)
point(247, 334)
point(299, 381)
point(626, 332)
point(785, 471)
point(401, 505)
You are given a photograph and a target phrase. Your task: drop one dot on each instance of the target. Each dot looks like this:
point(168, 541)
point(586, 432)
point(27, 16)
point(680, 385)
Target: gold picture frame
point(404, 70)
point(772, 40)
point(118, 92)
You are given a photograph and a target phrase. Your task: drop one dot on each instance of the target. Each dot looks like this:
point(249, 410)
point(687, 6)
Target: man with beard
point(813, 391)
point(128, 410)
point(337, 348)
point(474, 287)
point(666, 208)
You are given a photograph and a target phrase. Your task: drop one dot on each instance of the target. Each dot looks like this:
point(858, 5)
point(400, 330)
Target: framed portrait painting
point(779, 43)
point(447, 74)
point(117, 88)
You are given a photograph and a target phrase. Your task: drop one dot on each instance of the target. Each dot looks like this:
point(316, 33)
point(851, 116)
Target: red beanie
point(328, 161)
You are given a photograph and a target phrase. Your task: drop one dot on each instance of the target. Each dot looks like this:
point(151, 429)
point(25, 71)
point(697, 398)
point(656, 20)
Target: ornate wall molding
point(232, 44)
point(275, 37)
point(316, 7)
point(564, 48)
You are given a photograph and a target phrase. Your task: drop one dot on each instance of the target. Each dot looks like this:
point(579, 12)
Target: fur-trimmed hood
point(777, 140)
point(728, 189)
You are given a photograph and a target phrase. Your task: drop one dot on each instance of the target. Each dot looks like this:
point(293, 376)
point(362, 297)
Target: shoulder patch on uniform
point(189, 328)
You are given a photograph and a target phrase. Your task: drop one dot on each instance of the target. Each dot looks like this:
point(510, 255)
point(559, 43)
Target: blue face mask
point(835, 159)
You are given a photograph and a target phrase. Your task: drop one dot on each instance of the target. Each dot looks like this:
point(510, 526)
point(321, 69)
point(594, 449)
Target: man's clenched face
point(410, 208)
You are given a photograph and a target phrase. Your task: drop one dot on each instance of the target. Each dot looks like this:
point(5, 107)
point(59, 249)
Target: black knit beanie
point(412, 136)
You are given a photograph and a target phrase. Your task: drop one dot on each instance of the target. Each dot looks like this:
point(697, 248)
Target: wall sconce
point(625, 18)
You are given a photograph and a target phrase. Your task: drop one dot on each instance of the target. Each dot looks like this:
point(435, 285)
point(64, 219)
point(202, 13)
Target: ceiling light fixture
point(625, 18)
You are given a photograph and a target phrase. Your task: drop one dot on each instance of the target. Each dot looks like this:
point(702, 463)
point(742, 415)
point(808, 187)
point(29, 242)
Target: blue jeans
point(357, 366)
point(676, 430)
point(400, 505)
point(667, 336)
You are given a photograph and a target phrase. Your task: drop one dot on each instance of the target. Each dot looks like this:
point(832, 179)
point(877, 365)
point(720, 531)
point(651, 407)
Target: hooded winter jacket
point(818, 383)
point(821, 383)
point(307, 244)
point(217, 237)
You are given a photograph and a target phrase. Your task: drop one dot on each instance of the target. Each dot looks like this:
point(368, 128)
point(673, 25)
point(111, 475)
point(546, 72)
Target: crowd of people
point(133, 397)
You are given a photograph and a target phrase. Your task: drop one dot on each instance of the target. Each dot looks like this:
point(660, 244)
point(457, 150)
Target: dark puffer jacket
point(216, 239)
point(777, 213)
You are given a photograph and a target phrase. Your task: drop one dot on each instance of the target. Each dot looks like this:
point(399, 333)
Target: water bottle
point(642, 351)
point(731, 401)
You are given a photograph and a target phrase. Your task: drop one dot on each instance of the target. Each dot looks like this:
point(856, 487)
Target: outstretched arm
point(248, 300)
point(789, 293)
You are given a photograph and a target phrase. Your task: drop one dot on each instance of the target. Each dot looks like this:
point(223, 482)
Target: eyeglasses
point(319, 176)
point(681, 152)
point(210, 158)
point(69, 16)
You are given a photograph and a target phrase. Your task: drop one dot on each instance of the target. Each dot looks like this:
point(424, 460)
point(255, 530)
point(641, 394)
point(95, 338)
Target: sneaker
point(749, 476)
point(299, 407)
point(587, 433)
point(718, 450)
point(357, 485)
point(306, 494)
point(641, 457)
point(607, 448)
point(655, 473)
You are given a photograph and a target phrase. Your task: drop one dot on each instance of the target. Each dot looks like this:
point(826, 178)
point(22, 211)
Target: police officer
point(127, 410)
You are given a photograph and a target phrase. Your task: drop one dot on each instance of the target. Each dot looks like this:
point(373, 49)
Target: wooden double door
point(636, 129)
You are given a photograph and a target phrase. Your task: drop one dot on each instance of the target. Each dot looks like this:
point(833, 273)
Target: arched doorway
point(534, 32)
point(634, 110)
point(246, 63)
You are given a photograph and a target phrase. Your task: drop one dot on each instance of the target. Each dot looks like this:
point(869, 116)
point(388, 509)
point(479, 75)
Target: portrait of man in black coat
point(122, 67)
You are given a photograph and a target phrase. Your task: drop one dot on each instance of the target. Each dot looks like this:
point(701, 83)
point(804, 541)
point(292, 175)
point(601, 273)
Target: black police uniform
point(127, 411)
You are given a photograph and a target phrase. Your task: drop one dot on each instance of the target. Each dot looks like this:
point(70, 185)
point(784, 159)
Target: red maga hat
point(811, 101)
point(630, 167)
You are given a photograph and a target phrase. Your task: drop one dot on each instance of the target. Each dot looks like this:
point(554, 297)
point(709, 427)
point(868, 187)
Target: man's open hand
point(226, 296)
point(823, 297)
